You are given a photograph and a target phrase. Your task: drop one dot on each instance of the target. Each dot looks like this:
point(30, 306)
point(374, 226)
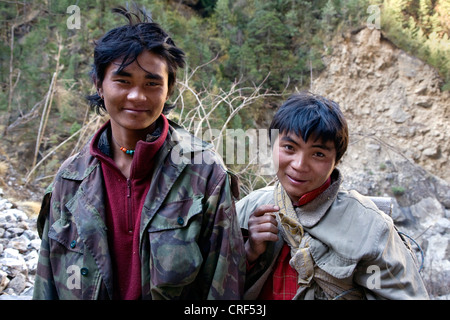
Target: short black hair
point(128, 42)
point(306, 115)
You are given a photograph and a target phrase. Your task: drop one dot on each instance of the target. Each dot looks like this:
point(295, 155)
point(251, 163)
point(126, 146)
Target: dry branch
point(205, 113)
point(48, 103)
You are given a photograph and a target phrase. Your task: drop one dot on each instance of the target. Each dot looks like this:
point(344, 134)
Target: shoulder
point(356, 223)
point(185, 148)
point(361, 208)
point(352, 230)
point(199, 160)
point(256, 198)
point(78, 166)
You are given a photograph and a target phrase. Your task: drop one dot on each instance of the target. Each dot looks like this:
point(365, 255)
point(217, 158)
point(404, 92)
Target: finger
point(263, 228)
point(261, 237)
point(266, 222)
point(268, 217)
point(261, 210)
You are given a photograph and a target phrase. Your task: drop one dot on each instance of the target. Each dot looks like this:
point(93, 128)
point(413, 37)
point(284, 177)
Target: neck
point(308, 197)
point(123, 140)
point(128, 139)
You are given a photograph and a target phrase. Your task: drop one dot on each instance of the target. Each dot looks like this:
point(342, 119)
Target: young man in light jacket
point(306, 238)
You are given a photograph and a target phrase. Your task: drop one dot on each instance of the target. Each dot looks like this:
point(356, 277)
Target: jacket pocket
point(176, 214)
point(175, 257)
point(67, 260)
point(65, 233)
point(331, 262)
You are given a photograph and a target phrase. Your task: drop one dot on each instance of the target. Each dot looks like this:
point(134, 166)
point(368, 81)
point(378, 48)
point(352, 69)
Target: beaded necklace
point(123, 149)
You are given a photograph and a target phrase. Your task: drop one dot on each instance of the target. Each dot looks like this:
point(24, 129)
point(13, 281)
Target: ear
point(100, 92)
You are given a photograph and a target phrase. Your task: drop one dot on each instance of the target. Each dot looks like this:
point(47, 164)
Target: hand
point(262, 227)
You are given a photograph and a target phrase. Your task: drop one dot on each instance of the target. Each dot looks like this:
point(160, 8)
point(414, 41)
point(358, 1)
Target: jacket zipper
point(130, 212)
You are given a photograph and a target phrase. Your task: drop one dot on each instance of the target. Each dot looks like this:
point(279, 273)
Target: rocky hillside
point(400, 139)
point(389, 98)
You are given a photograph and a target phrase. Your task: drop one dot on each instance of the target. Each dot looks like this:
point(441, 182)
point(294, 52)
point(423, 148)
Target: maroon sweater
point(125, 199)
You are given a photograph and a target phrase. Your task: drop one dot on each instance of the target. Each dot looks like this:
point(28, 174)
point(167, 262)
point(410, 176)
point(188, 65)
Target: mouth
point(296, 181)
point(135, 110)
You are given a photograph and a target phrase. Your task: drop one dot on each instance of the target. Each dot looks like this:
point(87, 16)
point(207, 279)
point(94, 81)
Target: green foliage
point(262, 42)
point(74, 128)
point(421, 28)
point(398, 190)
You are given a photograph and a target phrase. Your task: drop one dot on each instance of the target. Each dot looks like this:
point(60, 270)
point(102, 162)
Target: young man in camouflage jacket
point(144, 210)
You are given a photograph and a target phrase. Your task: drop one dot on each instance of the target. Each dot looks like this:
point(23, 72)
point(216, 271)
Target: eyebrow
point(320, 145)
point(148, 75)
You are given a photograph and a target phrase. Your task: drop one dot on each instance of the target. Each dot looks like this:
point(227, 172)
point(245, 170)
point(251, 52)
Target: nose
point(136, 94)
point(300, 163)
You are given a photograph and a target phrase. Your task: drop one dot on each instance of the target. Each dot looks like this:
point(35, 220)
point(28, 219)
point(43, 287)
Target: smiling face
point(302, 166)
point(135, 96)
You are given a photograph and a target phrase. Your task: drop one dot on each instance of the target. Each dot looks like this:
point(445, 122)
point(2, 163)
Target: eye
point(155, 83)
point(319, 154)
point(121, 81)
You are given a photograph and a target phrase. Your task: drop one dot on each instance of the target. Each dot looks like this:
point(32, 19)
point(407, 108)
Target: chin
point(139, 125)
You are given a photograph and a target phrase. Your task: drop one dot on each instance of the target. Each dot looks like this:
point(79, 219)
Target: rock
point(432, 152)
point(13, 266)
point(425, 103)
point(31, 260)
point(436, 271)
point(12, 253)
point(31, 235)
point(16, 214)
point(7, 217)
point(4, 204)
point(428, 211)
point(17, 284)
point(35, 244)
point(19, 245)
point(442, 226)
point(4, 280)
point(15, 231)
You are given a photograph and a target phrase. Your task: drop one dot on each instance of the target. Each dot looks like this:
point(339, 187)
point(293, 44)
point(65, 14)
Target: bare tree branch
point(48, 103)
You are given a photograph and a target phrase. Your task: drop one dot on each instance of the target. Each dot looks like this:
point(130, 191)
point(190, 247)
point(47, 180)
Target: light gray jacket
point(352, 240)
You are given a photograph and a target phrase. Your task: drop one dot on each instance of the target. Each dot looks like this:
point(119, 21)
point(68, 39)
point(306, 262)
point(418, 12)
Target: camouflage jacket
point(191, 246)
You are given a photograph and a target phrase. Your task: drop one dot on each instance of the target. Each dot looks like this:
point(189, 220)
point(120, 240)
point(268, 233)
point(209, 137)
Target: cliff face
point(389, 98)
point(399, 139)
point(398, 118)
